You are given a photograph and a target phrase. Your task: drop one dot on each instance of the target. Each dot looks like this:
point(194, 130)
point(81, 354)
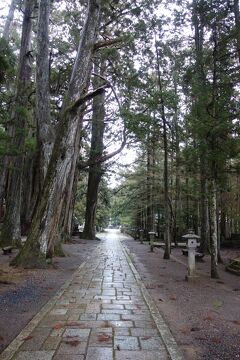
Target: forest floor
point(203, 316)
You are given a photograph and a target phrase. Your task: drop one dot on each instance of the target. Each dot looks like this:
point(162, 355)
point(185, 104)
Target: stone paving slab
point(102, 313)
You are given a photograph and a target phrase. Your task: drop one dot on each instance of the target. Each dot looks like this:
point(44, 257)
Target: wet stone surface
point(101, 315)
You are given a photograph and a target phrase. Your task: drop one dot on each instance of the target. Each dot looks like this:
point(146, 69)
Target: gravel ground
point(24, 292)
point(204, 316)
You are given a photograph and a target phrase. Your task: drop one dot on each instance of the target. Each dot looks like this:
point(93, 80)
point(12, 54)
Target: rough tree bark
point(11, 232)
point(213, 231)
point(45, 134)
point(201, 79)
point(177, 175)
point(149, 225)
point(96, 151)
point(237, 25)
point(45, 224)
point(167, 237)
point(215, 252)
point(4, 160)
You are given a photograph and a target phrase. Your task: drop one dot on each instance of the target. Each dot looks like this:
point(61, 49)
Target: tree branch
point(87, 97)
point(106, 157)
point(107, 43)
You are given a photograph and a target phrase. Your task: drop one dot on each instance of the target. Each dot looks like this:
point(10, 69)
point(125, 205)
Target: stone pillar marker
point(151, 239)
point(191, 239)
point(141, 236)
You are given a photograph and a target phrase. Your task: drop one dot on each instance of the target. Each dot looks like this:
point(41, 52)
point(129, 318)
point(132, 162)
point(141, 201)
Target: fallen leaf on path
point(103, 337)
point(237, 322)
point(195, 328)
point(173, 297)
point(216, 340)
point(150, 286)
point(73, 342)
point(208, 318)
point(57, 326)
point(27, 338)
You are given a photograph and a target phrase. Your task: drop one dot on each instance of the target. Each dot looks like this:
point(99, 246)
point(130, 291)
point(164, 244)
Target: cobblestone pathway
point(100, 315)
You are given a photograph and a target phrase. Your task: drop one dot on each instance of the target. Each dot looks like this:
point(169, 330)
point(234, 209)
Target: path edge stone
point(13, 347)
point(167, 337)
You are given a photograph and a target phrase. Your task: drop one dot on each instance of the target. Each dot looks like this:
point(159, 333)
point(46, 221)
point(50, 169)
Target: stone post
point(141, 236)
point(151, 239)
point(191, 239)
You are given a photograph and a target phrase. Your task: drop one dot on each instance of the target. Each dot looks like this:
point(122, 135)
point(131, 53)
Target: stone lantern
point(191, 242)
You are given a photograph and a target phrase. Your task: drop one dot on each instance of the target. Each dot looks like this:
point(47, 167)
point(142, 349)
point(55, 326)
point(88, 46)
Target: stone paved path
point(100, 315)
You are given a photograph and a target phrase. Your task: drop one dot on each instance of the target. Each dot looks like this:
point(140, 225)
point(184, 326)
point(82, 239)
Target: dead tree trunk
point(46, 219)
point(11, 232)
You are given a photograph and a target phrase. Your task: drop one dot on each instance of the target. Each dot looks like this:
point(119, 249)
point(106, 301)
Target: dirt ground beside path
point(24, 292)
point(203, 316)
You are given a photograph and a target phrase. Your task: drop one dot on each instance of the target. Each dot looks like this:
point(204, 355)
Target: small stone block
point(72, 346)
point(99, 353)
point(81, 333)
point(108, 317)
point(141, 355)
point(151, 343)
point(34, 355)
point(58, 312)
point(69, 357)
point(126, 343)
point(101, 339)
point(51, 343)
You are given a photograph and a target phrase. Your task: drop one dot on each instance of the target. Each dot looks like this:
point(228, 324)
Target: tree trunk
point(213, 203)
point(149, 226)
point(44, 128)
point(213, 231)
point(204, 208)
point(177, 175)
point(30, 191)
point(237, 25)
point(167, 238)
point(96, 151)
point(4, 160)
point(9, 20)
point(67, 214)
point(46, 219)
point(11, 232)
